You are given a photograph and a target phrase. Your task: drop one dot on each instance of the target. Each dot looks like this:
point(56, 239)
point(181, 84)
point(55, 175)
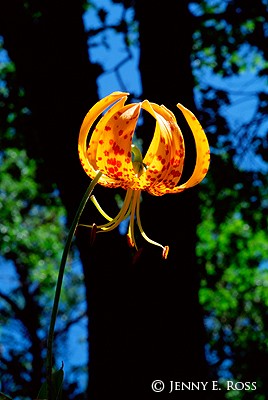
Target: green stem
point(49, 363)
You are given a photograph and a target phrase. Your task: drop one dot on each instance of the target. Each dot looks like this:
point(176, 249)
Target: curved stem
point(49, 363)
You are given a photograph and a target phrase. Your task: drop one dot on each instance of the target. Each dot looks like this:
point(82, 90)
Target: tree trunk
point(169, 343)
point(48, 45)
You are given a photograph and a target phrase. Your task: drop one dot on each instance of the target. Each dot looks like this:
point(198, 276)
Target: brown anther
point(136, 256)
point(130, 241)
point(165, 252)
point(93, 234)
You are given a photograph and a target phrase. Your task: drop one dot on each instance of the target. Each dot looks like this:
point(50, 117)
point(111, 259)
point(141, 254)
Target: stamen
point(131, 236)
point(98, 207)
point(129, 240)
point(165, 248)
point(136, 256)
point(123, 214)
point(93, 234)
point(165, 252)
point(113, 223)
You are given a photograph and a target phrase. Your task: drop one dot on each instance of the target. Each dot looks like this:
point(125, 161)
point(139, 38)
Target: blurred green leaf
point(57, 382)
point(4, 397)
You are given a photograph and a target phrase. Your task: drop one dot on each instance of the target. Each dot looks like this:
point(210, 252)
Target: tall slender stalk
point(49, 362)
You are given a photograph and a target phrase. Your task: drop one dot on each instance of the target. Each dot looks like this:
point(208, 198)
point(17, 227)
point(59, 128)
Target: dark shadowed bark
point(48, 45)
point(155, 328)
point(171, 335)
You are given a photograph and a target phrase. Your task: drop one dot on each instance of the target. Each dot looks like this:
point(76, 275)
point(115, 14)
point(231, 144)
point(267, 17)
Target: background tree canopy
point(199, 316)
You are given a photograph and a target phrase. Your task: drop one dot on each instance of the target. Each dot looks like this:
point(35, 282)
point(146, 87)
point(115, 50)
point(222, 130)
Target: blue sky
point(111, 51)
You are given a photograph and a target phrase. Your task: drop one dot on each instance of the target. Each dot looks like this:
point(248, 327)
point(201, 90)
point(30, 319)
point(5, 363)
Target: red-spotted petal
point(87, 153)
point(174, 150)
point(202, 154)
point(113, 156)
point(155, 158)
point(165, 156)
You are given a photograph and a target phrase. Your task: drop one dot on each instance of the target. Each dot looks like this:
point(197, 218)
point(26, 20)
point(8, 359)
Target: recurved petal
point(87, 157)
point(113, 155)
point(174, 150)
point(155, 159)
point(202, 153)
point(165, 156)
point(177, 150)
point(95, 140)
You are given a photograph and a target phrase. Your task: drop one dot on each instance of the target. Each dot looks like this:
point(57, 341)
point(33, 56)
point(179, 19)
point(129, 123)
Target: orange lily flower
point(111, 152)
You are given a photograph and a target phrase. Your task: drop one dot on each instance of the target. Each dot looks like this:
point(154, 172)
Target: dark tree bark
point(150, 322)
point(169, 344)
point(48, 45)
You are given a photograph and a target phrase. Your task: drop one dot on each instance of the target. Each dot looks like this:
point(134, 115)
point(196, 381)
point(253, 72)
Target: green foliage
point(32, 224)
point(229, 33)
point(230, 40)
point(57, 382)
point(233, 250)
point(14, 113)
point(33, 233)
point(4, 397)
